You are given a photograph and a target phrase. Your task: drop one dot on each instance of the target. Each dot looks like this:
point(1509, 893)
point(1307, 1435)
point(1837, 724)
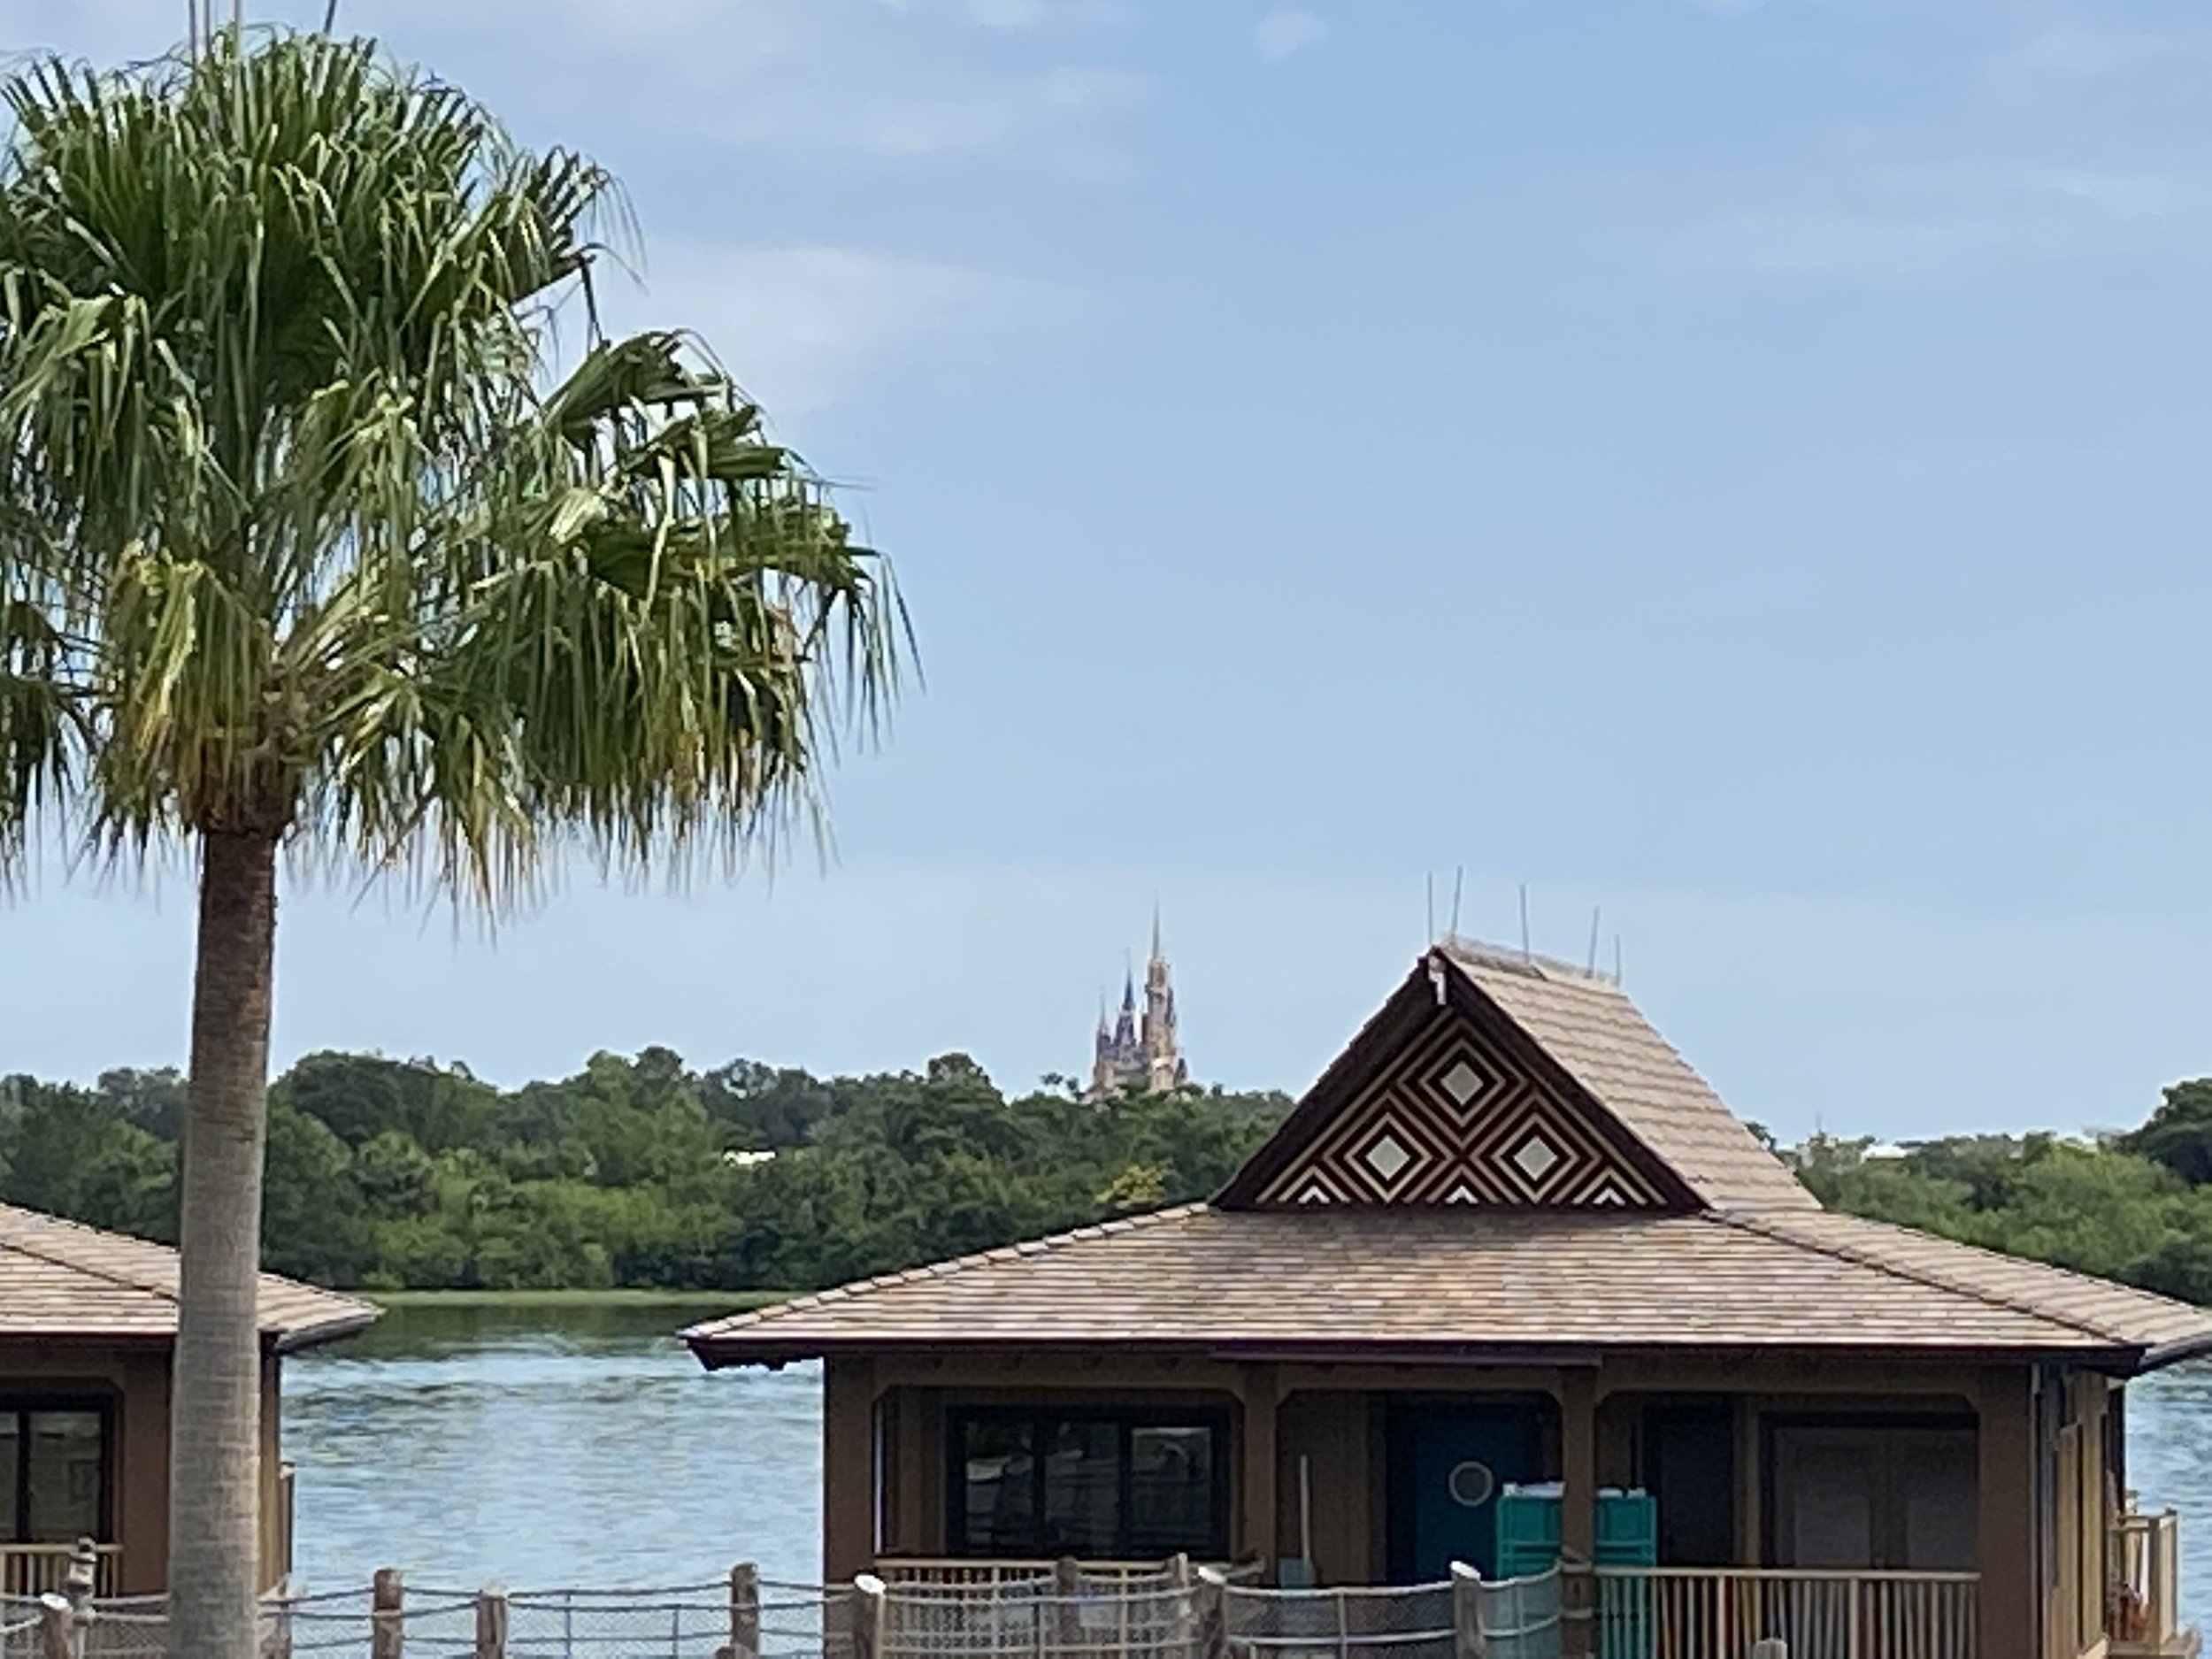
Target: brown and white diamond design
point(1387, 1156)
point(1535, 1158)
point(1451, 1120)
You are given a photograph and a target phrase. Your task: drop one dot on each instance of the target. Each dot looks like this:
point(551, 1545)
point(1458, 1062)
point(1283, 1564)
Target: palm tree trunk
point(215, 1417)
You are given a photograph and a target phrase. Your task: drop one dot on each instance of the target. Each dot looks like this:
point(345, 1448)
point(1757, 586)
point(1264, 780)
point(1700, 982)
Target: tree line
point(2135, 1207)
point(643, 1173)
point(386, 1174)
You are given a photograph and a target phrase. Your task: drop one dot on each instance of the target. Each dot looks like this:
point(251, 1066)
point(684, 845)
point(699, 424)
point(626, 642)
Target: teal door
point(1448, 1462)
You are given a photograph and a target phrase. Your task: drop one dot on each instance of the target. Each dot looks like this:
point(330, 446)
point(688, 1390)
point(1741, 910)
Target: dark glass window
point(1096, 1485)
point(53, 1473)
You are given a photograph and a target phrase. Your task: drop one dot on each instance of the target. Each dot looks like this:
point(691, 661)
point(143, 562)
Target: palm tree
point(304, 551)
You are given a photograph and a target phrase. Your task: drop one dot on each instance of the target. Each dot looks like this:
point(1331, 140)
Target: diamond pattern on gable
point(1450, 1120)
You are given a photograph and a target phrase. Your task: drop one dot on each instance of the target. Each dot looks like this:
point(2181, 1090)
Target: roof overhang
point(331, 1329)
point(723, 1353)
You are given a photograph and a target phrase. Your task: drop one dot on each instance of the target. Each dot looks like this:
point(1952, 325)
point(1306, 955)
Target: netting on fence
point(1408, 1622)
point(1068, 1614)
point(1168, 1613)
point(1521, 1617)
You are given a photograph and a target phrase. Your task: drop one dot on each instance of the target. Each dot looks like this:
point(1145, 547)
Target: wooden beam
point(849, 1498)
point(1260, 1389)
point(1579, 1490)
point(2008, 1595)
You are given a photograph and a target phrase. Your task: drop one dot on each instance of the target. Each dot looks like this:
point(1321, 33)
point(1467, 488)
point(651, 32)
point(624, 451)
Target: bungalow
point(1511, 1251)
point(87, 1321)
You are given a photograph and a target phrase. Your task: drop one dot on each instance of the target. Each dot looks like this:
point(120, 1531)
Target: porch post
point(849, 1468)
point(1261, 1387)
point(2006, 1541)
point(1578, 1499)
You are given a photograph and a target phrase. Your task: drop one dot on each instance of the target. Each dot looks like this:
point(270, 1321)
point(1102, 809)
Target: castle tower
point(1139, 1052)
point(1164, 1067)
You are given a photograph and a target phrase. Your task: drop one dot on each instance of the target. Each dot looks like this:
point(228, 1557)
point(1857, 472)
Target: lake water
point(543, 1448)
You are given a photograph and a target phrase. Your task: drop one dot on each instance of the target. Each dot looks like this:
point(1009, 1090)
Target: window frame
point(22, 1407)
point(1039, 1419)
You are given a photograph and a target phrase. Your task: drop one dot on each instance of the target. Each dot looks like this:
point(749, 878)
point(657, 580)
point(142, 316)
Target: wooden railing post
point(387, 1613)
point(745, 1611)
point(1468, 1639)
point(869, 1607)
point(1065, 1629)
point(491, 1624)
point(1213, 1613)
point(57, 1626)
point(1772, 1647)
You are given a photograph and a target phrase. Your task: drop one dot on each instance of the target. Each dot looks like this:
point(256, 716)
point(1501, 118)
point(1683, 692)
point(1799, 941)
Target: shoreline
point(722, 1300)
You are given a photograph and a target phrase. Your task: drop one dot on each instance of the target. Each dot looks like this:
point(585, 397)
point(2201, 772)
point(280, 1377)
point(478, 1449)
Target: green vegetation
point(635, 1173)
point(638, 1178)
point(2134, 1206)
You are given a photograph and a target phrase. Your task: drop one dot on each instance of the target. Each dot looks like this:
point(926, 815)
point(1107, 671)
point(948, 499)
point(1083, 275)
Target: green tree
point(303, 547)
point(2179, 1133)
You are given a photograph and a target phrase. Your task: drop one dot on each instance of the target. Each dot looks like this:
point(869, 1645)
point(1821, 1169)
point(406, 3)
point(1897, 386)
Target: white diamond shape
point(1534, 1157)
point(1463, 1083)
point(1386, 1157)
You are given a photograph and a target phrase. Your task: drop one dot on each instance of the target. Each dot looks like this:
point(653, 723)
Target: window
point(1096, 1485)
point(1899, 1495)
point(53, 1472)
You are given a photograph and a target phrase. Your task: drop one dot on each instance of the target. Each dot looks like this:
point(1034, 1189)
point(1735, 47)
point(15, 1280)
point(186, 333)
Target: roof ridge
point(11, 1239)
point(814, 1299)
point(1752, 1222)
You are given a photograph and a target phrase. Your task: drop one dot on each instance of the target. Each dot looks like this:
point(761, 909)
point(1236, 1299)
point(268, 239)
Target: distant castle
point(1132, 1055)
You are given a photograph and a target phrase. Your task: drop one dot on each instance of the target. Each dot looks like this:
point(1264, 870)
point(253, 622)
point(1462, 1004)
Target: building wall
point(1326, 1420)
point(133, 1380)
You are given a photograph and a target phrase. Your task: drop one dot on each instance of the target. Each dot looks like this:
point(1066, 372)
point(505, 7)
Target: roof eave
point(721, 1353)
point(297, 1338)
point(2161, 1354)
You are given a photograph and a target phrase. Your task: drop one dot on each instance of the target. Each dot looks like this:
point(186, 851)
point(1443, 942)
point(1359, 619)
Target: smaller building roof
point(61, 1281)
point(1476, 1284)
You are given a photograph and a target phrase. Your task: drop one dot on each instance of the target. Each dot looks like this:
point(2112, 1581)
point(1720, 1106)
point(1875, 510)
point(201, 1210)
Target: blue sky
point(1740, 466)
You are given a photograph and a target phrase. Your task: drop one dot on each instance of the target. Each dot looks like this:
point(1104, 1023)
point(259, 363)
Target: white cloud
point(1037, 14)
point(2078, 53)
point(1897, 223)
point(1280, 34)
point(805, 328)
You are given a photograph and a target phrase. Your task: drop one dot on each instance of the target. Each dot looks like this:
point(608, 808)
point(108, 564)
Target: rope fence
point(1170, 1611)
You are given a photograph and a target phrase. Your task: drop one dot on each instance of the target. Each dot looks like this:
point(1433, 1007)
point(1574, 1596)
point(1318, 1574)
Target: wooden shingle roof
point(1476, 1284)
point(1508, 1158)
point(61, 1281)
point(1601, 1039)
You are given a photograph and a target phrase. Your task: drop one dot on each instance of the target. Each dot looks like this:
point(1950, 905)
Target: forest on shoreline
point(637, 1172)
point(640, 1172)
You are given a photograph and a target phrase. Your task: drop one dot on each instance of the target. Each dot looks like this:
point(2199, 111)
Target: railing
point(1697, 1612)
point(31, 1570)
point(2145, 1617)
point(985, 1574)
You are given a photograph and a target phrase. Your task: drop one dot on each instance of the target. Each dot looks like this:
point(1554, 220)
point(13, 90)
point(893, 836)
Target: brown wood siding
point(2010, 1593)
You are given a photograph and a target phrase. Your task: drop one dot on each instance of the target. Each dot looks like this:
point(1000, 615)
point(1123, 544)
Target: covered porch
point(1854, 1509)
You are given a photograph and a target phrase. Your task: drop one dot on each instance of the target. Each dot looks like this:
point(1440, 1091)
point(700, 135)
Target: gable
point(1447, 1110)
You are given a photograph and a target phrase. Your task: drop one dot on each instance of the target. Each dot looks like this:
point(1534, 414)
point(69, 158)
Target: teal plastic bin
point(1528, 1529)
point(1628, 1530)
